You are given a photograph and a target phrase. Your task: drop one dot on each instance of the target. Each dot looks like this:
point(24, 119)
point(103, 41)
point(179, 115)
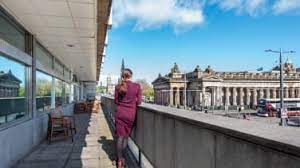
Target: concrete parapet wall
point(174, 138)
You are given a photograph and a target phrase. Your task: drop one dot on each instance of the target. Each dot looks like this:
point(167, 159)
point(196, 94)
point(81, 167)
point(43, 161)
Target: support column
point(183, 96)
point(298, 92)
point(71, 93)
point(234, 95)
point(53, 93)
point(219, 96)
point(261, 93)
point(227, 95)
point(161, 97)
point(171, 98)
point(213, 96)
point(203, 96)
point(177, 97)
point(286, 92)
point(241, 96)
point(274, 93)
point(197, 100)
point(254, 97)
point(292, 92)
point(268, 93)
point(248, 97)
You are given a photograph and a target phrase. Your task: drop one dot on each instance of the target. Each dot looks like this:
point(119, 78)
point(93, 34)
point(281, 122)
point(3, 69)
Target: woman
point(127, 98)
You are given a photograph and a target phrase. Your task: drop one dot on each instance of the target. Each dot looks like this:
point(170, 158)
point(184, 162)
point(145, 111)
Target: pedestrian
point(127, 98)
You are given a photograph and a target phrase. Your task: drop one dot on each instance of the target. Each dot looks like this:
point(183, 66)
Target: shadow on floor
point(109, 147)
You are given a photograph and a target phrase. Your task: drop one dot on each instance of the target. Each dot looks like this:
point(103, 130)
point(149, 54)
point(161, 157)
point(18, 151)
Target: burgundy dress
point(126, 108)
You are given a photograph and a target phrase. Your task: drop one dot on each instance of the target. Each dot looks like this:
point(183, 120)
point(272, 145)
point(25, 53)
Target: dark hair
point(126, 74)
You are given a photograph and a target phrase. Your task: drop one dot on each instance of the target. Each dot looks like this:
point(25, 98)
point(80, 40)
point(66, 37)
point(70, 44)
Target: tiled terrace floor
point(93, 147)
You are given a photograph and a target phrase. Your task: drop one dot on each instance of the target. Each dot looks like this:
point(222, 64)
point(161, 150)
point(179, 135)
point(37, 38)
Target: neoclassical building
point(110, 87)
point(210, 88)
point(9, 85)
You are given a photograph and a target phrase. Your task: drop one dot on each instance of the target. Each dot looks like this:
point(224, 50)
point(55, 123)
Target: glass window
point(58, 92)
point(42, 55)
point(67, 74)
point(59, 68)
point(12, 90)
point(11, 33)
point(43, 91)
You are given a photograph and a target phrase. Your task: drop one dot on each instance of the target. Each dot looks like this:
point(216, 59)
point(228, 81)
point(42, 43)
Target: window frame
point(28, 86)
point(14, 23)
point(44, 73)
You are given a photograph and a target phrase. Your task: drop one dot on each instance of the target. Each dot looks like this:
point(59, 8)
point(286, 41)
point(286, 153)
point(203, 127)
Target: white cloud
point(154, 14)
point(184, 14)
point(251, 7)
point(282, 6)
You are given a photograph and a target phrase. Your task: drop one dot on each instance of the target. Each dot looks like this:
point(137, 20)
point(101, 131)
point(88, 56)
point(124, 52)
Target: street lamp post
point(280, 52)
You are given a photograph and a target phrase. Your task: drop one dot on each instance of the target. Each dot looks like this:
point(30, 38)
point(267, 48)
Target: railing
point(175, 138)
point(43, 103)
point(12, 108)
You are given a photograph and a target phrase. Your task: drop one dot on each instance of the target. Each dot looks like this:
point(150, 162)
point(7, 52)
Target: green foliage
point(147, 88)
point(22, 92)
point(43, 87)
point(100, 89)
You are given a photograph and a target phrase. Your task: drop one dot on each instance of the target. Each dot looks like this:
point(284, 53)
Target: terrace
point(53, 52)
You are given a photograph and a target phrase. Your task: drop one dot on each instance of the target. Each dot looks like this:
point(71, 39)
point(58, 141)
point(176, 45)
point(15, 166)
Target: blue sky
point(18, 70)
point(229, 35)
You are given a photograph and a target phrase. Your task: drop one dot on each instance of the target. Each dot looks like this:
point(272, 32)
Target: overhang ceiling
point(73, 30)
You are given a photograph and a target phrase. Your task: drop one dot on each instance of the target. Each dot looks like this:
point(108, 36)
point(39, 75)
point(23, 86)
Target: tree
point(100, 89)
point(147, 89)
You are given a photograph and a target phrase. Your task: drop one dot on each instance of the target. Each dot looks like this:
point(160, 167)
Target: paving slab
point(93, 147)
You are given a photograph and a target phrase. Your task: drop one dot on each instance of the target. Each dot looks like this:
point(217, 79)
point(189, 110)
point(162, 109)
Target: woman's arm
point(139, 95)
point(116, 96)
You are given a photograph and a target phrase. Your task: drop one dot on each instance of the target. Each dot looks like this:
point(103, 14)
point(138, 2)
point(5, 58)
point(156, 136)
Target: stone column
point(203, 95)
point(197, 98)
point(274, 93)
point(292, 92)
point(241, 96)
point(298, 92)
point(177, 97)
point(268, 93)
point(255, 97)
point(227, 95)
point(261, 93)
point(171, 98)
point(248, 97)
point(286, 92)
point(234, 95)
point(183, 96)
point(158, 96)
point(213, 96)
point(219, 96)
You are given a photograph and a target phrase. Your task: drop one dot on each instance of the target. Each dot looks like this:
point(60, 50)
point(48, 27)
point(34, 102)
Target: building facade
point(9, 84)
point(110, 86)
point(210, 88)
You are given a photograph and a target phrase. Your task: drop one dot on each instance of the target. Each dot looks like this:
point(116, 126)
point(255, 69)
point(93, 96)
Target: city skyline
point(228, 40)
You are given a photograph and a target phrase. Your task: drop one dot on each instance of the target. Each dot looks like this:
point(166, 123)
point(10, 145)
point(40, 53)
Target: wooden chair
point(80, 107)
point(59, 123)
point(95, 107)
